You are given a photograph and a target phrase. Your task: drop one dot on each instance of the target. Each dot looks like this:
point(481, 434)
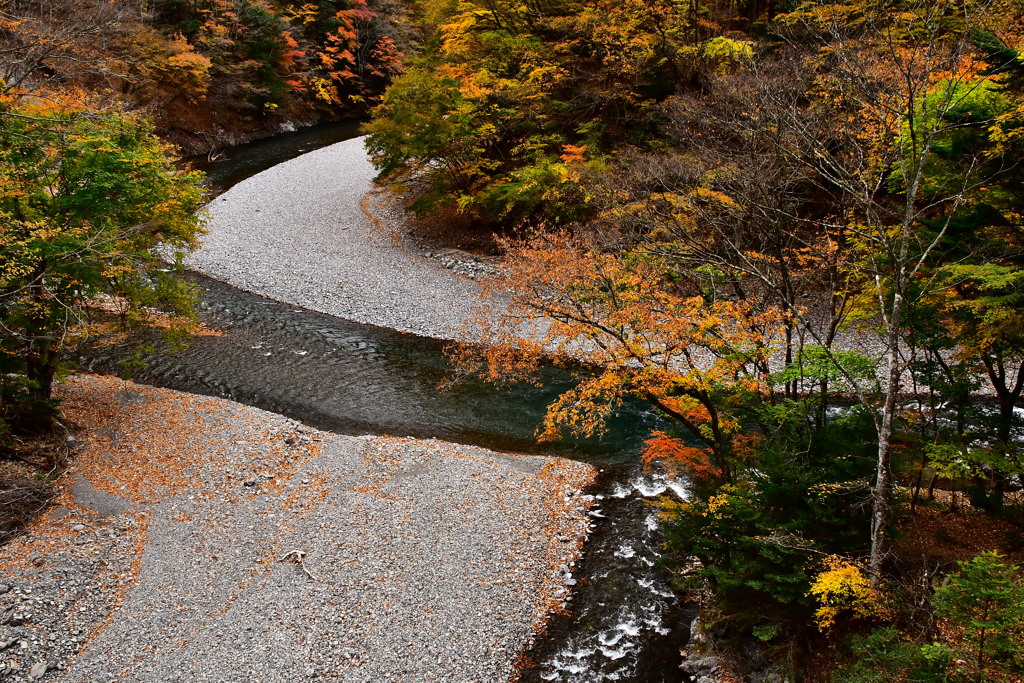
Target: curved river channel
point(623, 622)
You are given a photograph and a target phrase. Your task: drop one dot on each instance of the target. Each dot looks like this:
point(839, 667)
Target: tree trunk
point(1007, 397)
point(1004, 427)
point(40, 368)
point(918, 482)
point(880, 491)
point(1006, 394)
point(880, 503)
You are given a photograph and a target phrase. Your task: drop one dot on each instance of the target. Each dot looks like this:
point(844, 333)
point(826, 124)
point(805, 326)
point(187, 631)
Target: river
point(624, 623)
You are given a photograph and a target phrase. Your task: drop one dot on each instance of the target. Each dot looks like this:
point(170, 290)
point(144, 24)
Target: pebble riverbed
point(206, 540)
point(299, 233)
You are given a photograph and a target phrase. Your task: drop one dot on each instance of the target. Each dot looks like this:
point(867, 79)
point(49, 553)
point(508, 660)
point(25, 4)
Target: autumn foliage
point(795, 234)
point(205, 69)
point(646, 333)
point(512, 106)
point(87, 201)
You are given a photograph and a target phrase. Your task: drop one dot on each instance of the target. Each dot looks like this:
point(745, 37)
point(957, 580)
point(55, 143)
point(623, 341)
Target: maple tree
point(630, 324)
point(648, 336)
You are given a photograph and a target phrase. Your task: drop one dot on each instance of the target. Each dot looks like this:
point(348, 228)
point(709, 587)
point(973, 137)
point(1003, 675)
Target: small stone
point(78, 527)
point(37, 671)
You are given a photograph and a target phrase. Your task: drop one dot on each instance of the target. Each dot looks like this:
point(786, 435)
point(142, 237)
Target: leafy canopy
point(89, 202)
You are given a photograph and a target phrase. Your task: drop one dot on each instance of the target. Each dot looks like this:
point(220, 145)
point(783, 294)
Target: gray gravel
point(199, 539)
point(297, 233)
point(426, 560)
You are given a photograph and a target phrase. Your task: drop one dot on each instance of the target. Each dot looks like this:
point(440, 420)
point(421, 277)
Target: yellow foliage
point(842, 587)
point(727, 53)
point(669, 507)
point(305, 15)
point(323, 90)
point(715, 505)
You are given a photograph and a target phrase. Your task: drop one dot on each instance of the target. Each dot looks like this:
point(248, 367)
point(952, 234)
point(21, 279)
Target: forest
point(794, 230)
point(791, 228)
point(205, 73)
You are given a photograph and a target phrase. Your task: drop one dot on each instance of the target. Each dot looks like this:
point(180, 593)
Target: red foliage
point(674, 453)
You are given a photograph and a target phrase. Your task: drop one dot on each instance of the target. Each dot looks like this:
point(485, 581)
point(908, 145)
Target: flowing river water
point(623, 622)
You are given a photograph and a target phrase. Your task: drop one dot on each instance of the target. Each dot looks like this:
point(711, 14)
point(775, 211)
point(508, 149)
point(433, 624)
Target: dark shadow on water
point(358, 379)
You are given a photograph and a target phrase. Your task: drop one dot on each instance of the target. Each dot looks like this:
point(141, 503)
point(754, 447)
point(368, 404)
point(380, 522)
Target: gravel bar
point(299, 233)
point(199, 539)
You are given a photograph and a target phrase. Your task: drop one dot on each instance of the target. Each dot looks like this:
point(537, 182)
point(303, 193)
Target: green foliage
point(1002, 59)
point(760, 539)
point(951, 461)
point(986, 310)
point(726, 52)
point(476, 134)
point(985, 598)
point(759, 577)
point(88, 201)
point(816, 364)
point(513, 106)
point(884, 655)
point(953, 119)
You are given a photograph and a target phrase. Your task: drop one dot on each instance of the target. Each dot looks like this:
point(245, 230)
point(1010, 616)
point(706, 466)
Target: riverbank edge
point(210, 142)
point(87, 504)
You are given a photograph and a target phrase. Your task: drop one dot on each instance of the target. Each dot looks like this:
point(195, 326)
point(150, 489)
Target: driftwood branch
point(298, 557)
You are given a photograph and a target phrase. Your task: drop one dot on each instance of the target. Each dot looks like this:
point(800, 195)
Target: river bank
point(300, 233)
point(174, 552)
